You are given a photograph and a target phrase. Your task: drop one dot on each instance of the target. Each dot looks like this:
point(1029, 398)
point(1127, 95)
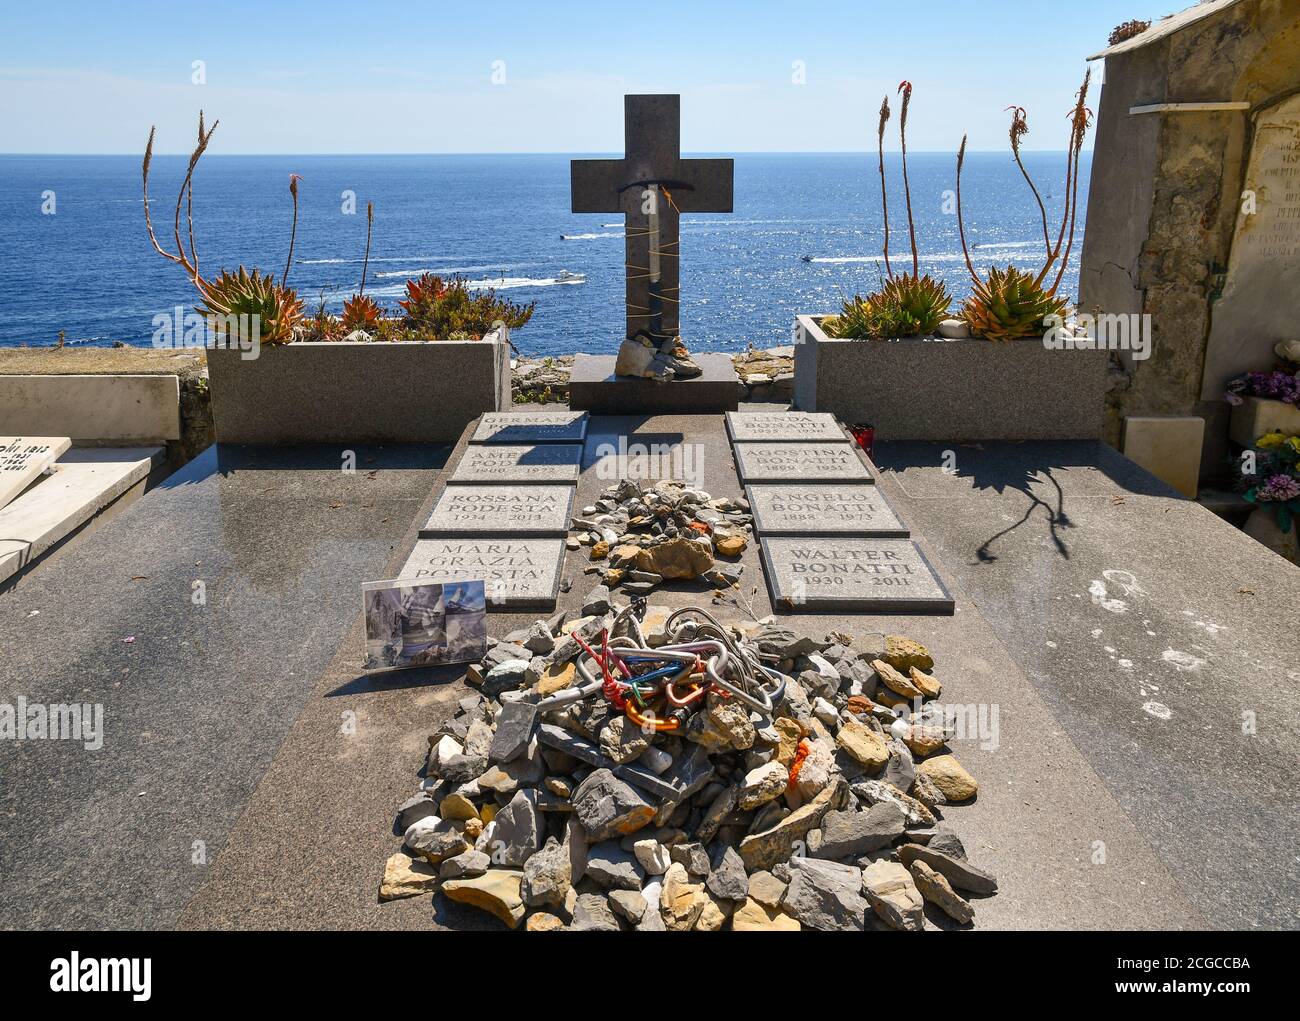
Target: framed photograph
point(411, 623)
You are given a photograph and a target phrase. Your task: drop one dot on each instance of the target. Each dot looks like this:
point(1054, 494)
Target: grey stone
point(900, 770)
point(414, 809)
point(849, 834)
point(823, 509)
point(514, 731)
point(947, 843)
point(501, 510)
point(434, 840)
point(653, 856)
point(959, 872)
point(596, 601)
point(609, 807)
point(518, 465)
point(539, 640)
point(661, 787)
point(800, 462)
point(517, 573)
point(464, 865)
point(852, 574)
point(628, 903)
point(592, 913)
point(614, 868)
point(893, 895)
point(693, 857)
point(622, 741)
point(826, 895)
point(517, 830)
point(547, 876)
point(727, 877)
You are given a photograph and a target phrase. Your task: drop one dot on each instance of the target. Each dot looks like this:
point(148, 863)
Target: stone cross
point(650, 186)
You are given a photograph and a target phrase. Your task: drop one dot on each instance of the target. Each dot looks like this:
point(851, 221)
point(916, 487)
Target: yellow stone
point(904, 653)
point(950, 776)
point(543, 921)
point(556, 678)
point(928, 683)
point(599, 550)
point(755, 917)
point(731, 545)
point(407, 877)
point(895, 681)
point(791, 734)
point(863, 743)
point(496, 892)
point(487, 813)
point(457, 807)
point(925, 740)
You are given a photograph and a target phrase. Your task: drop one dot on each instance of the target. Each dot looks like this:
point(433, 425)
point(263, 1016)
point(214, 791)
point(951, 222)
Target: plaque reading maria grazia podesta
point(411, 623)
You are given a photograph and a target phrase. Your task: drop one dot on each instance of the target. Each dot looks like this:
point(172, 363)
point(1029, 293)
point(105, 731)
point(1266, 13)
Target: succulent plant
point(233, 301)
point(361, 313)
point(1010, 304)
point(905, 306)
point(446, 310)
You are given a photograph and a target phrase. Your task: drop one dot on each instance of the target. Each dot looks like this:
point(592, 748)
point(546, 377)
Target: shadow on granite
point(1037, 469)
point(396, 680)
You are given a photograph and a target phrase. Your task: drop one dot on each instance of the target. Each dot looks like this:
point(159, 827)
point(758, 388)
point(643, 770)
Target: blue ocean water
point(88, 268)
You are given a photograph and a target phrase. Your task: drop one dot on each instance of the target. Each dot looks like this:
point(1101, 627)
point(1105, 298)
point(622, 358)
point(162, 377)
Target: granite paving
point(254, 730)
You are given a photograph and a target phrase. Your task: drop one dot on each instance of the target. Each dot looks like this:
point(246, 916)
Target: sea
point(805, 234)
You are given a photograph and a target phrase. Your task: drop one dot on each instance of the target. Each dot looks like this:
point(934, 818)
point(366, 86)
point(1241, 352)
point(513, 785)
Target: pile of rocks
point(766, 376)
point(640, 534)
point(540, 380)
point(825, 814)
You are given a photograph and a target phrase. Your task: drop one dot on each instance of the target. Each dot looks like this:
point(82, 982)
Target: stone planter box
point(1260, 415)
point(403, 392)
point(929, 388)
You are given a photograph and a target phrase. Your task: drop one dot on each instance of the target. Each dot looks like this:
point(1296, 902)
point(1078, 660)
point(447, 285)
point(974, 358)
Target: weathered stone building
point(1194, 207)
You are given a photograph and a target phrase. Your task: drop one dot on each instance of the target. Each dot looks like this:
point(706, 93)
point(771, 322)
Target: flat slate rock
point(521, 511)
point(523, 573)
point(823, 508)
point(531, 427)
point(783, 427)
point(852, 575)
point(23, 458)
point(492, 464)
point(800, 462)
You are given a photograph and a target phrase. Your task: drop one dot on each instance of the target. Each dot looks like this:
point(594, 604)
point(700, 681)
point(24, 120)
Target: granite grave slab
point(517, 573)
point(496, 464)
point(501, 510)
point(593, 386)
point(852, 575)
point(800, 462)
point(783, 427)
point(23, 458)
point(825, 508)
point(531, 427)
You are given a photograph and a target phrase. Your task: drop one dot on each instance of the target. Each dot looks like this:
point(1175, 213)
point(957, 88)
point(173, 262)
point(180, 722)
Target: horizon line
point(595, 154)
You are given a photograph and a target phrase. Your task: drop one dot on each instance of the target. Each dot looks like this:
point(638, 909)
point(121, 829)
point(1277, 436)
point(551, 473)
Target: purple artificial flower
point(1280, 488)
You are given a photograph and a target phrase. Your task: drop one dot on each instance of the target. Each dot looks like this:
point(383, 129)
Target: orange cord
point(800, 754)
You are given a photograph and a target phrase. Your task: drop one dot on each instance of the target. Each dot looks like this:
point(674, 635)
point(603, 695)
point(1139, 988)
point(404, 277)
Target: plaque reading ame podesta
point(823, 508)
point(853, 575)
point(783, 427)
point(516, 573)
point(799, 462)
point(501, 510)
point(490, 464)
point(531, 427)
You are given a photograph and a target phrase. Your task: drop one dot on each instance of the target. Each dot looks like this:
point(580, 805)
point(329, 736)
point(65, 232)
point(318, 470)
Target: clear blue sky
point(376, 77)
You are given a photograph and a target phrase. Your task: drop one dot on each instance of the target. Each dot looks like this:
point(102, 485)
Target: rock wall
point(1164, 195)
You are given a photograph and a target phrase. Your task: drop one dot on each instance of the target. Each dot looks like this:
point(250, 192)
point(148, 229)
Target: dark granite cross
point(650, 186)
